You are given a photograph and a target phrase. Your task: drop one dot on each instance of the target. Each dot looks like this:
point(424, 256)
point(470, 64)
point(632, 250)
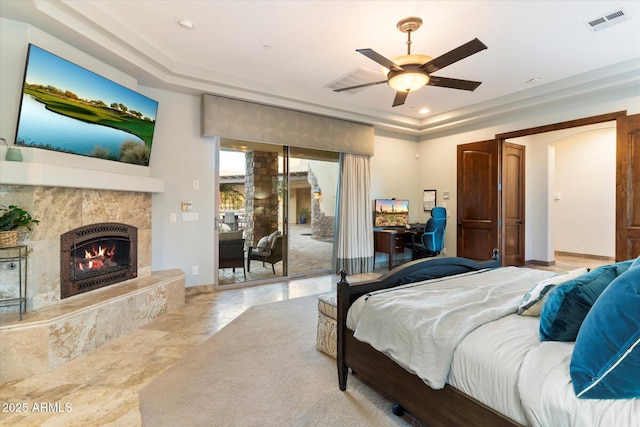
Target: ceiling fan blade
point(359, 86)
point(455, 55)
point(387, 63)
point(453, 83)
point(400, 98)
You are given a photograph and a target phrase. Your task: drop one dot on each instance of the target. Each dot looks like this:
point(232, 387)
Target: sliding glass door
point(313, 180)
point(274, 218)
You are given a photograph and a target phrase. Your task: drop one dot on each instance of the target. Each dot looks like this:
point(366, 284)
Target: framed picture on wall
point(429, 200)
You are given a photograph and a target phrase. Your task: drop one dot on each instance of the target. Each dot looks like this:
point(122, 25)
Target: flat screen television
point(391, 213)
point(70, 109)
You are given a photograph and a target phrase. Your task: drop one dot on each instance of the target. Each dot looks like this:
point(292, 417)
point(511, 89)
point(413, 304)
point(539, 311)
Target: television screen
point(70, 109)
point(391, 213)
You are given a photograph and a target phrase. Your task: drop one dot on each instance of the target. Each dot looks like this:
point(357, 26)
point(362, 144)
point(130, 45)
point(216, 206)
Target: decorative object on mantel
point(13, 154)
point(11, 219)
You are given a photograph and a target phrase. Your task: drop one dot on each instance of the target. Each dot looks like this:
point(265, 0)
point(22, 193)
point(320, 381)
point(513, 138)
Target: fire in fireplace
point(97, 255)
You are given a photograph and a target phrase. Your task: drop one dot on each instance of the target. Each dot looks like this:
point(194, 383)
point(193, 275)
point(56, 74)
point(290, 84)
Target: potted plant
point(11, 219)
point(304, 213)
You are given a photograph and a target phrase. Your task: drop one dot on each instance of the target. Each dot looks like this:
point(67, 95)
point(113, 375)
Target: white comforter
point(420, 325)
point(548, 398)
point(486, 363)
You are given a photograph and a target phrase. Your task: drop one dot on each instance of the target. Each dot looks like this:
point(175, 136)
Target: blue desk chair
point(431, 241)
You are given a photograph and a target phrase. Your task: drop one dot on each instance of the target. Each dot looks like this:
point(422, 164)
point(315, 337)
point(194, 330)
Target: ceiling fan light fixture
point(409, 73)
point(407, 60)
point(409, 80)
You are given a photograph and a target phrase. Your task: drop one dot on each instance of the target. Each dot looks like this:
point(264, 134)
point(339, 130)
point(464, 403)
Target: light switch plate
point(189, 216)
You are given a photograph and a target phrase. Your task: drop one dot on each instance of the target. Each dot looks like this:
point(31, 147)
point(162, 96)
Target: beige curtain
point(353, 248)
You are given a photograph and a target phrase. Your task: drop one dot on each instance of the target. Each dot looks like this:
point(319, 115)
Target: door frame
point(623, 153)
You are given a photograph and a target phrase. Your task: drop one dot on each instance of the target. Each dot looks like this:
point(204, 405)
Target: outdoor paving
point(306, 256)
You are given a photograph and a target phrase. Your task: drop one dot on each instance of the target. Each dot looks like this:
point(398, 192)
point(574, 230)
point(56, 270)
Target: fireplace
point(97, 255)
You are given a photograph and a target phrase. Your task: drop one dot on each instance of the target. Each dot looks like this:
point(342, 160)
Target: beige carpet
point(263, 370)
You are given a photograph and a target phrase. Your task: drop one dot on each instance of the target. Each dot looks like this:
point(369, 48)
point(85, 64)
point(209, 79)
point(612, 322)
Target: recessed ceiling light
point(534, 81)
point(267, 47)
point(424, 110)
point(186, 24)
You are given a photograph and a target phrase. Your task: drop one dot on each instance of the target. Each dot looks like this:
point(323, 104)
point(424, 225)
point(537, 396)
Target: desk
point(391, 242)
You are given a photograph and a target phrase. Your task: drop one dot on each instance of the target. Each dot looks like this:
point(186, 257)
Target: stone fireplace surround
point(54, 331)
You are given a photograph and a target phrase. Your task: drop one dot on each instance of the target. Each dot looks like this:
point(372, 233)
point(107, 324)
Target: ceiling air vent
point(359, 76)
point(606, 21)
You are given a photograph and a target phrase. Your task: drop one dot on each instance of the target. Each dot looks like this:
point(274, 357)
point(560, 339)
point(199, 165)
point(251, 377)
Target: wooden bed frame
point(444, 407)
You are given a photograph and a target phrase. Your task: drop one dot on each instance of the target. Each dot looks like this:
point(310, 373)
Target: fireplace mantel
point(40, 174)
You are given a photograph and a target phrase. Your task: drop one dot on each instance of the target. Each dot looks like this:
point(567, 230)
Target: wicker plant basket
point(8, 238)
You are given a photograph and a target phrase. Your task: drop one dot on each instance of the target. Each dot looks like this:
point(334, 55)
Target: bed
point(489, 367)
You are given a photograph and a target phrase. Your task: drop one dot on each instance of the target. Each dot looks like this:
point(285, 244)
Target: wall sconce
point(317, 193)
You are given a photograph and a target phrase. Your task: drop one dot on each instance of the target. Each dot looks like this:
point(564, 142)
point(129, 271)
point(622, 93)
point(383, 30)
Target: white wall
point(394, 168)
point(539, 178)
point(14, 42)
point(180, 156)
point(585, 149)
point(327, 175)
point(584, 191)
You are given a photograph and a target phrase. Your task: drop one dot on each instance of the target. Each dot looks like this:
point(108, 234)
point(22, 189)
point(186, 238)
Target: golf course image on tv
point(70, 109)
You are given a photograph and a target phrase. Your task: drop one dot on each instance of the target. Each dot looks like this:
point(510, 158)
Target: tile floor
point(101, 388)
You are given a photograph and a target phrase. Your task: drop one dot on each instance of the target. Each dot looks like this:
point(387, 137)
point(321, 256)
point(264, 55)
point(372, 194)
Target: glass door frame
point(284, 225)
point(286, 190)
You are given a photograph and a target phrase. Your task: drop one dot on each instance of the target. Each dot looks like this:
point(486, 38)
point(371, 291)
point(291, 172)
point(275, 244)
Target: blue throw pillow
point(568, 303)
point(606, 358)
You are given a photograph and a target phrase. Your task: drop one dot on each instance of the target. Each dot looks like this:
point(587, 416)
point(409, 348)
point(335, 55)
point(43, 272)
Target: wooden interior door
point(513, 203)
point(478, 199)
point(628, 188)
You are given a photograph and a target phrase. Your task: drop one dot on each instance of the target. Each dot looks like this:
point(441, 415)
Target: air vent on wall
point(356, 77)
point(606, 21)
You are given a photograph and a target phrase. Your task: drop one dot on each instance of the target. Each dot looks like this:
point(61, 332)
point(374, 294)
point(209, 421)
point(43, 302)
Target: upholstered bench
point(327, 336)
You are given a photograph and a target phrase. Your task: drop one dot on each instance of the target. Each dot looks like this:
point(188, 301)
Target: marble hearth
point(55, 331)
point(56, 334)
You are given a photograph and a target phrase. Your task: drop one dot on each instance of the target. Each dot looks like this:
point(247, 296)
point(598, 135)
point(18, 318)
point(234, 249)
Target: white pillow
point(262, 243)
point(272, 236)
point(532, 301)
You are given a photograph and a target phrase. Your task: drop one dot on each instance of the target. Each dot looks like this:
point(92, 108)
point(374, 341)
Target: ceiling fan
point(409, 73)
